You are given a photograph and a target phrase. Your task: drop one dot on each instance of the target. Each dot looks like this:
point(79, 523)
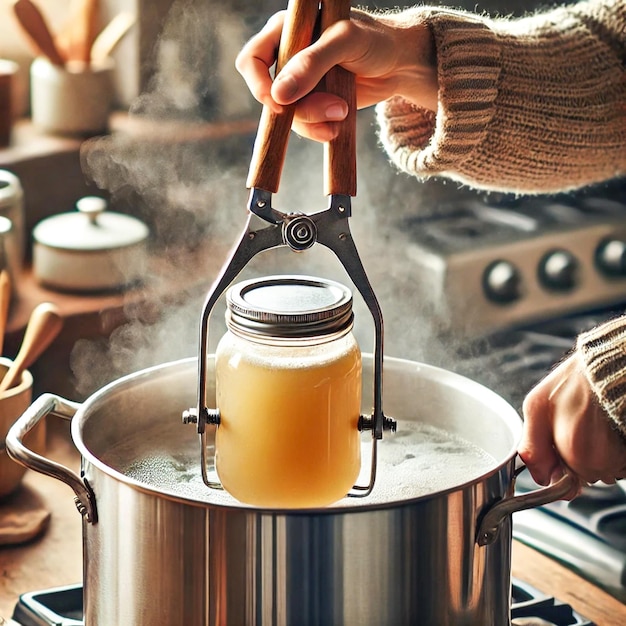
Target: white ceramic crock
point(90, 250)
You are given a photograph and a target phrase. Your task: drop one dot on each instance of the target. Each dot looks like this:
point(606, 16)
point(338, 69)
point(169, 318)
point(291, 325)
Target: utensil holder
point(72, 100)
point(13, 402)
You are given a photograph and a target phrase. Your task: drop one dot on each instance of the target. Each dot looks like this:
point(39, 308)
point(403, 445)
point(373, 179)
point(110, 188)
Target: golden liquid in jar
point(288, 434)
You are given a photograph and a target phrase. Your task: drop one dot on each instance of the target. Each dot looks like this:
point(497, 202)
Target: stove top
point(531, 607)
point(472, 222)
point(487, 263)
point(62, 606)
point(512, 361)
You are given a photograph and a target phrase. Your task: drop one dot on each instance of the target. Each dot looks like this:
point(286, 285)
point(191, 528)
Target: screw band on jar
point(289, 307)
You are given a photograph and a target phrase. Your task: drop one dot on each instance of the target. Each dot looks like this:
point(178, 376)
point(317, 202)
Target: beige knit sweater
point(531, 105)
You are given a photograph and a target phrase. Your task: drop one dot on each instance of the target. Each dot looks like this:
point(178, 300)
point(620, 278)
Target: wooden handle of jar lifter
point(270, 146)
point(340, 152)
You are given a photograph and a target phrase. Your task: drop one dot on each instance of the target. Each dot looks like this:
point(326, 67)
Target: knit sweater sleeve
point(529, 105)
point(602, 352)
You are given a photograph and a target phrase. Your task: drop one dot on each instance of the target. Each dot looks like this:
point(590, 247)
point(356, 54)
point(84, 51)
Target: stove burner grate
point(530, 605)
point(63, 606)
point(512, 363)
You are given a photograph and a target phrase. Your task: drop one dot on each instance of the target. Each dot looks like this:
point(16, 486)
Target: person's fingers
point(340, 44)
point(317, 114)
point(321, 107)
point(536, 447)
point(582, 431)
point(322, 132)
point(257, 57)
point(566, 429)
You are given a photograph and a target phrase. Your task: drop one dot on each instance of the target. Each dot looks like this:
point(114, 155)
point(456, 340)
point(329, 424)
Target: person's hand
point(388, 58)
point(566, 429)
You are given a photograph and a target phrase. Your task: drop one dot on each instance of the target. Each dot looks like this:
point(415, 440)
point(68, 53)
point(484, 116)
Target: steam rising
point(192, 195)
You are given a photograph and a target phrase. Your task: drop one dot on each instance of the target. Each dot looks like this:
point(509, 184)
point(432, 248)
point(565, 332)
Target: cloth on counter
point(23, 517)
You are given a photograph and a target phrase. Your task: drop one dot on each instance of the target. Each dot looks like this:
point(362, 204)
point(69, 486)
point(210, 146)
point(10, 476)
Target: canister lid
point(10, 189)
point(289, 306)
point(91, 228)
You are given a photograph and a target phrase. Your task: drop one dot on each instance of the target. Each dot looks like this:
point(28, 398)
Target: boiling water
point(416, 461)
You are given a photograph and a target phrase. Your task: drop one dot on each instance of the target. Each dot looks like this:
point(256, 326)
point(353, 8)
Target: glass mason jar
point(288, 388)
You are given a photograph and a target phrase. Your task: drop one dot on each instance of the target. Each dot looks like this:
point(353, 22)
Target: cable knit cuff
point(532, 105)
point(602, 351)
point(468, 67)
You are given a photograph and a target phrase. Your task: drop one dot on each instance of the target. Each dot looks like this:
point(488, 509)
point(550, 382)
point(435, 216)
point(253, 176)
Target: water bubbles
point(419, 460)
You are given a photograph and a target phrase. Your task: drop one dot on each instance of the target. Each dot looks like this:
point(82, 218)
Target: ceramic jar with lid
point(90, 250)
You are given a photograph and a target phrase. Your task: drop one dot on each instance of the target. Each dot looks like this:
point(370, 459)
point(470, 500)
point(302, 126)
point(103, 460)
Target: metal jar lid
point(289, 307)
point(90, 229)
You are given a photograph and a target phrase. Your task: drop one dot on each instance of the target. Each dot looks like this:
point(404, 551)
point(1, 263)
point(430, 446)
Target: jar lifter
point(268, 228)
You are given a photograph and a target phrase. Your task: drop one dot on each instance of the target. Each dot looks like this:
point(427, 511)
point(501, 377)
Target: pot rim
point(443, 376)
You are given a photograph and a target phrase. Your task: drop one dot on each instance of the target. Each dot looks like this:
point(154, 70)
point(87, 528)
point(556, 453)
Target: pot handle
point(490, 523)
point(44, 405)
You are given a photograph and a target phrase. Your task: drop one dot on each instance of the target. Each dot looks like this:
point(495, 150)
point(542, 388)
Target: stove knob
point(558, 270)
point(502, 282)
point(611, 257)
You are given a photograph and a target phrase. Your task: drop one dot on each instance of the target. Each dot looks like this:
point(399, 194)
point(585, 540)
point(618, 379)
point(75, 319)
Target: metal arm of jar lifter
point(296, 230)
point(329, 228)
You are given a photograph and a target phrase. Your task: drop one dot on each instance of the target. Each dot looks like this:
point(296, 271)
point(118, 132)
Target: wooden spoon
point(110, 36)
point(43, 326)
point(76, 36)
point(5, 301)
point(36, 28)
point(90, 19)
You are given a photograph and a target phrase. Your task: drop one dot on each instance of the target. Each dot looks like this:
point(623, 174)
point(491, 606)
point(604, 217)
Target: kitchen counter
point(54, 559)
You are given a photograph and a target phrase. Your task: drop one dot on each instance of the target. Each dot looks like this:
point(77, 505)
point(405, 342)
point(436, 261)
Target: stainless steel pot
point(156, 555)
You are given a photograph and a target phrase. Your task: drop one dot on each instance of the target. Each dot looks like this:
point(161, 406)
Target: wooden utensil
point(5, 301)
point(43, 326)
point(90, 14)
point(77, 34)
point(110, 36)
point(36, 28)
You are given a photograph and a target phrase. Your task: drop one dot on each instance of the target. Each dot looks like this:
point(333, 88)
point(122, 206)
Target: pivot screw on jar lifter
point(268, 228)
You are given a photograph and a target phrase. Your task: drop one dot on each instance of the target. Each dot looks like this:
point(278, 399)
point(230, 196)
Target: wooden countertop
point(553, 579)
point(55, 558)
